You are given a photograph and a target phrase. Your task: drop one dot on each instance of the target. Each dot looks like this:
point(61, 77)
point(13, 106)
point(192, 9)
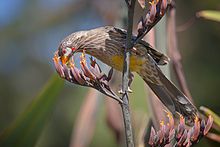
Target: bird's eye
point(67, 51)
point(64, 51)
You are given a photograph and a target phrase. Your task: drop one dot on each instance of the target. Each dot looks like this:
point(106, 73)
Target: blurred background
point(31, 30)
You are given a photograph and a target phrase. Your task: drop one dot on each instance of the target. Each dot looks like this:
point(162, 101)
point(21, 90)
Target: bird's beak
point(64, 59)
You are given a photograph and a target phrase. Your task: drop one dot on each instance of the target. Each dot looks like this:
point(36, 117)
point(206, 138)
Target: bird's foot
point(131, 77)
point(130, 90)
point(123, 92)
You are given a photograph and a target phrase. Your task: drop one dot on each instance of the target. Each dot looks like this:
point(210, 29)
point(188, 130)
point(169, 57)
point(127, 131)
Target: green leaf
point(209, 14)
point(27, 128)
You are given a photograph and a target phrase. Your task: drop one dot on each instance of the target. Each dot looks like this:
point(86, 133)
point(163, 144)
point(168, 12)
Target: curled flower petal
point(95, 69)
point(76, 74)
point(182, 138)
point(152, 13)
point(95, 65)
point(156, 140)
point(66, 71)
point(141, 26)
point(152, 134)
point(170, 118)
point(181, 127)
point(196, 129)
point(171, 135)
point(92, 61)
point(208, 125)
point(163, 7)
point(58, 67)
point(202, 126)
point(161, 133)
point(188, 141)
point(95, 72)
point(85, 68)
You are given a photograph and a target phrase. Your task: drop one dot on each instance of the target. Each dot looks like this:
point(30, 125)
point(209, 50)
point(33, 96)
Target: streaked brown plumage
point(107, 44)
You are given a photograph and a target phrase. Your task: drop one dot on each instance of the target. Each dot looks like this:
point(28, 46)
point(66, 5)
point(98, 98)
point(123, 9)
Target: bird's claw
point(123, 92)
point(130, 80)
point(130, 90)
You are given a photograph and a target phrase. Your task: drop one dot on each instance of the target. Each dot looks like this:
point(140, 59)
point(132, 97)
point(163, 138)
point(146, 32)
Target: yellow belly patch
point(135, 62)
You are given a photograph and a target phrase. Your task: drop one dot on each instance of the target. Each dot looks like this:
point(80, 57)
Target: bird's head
point(65, 53)
point(68, 47)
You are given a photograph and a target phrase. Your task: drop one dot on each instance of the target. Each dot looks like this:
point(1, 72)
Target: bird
point(107, 44)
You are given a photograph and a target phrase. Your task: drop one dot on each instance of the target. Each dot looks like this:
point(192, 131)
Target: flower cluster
point(90, 76)
point(155, 12)
point(182, 135)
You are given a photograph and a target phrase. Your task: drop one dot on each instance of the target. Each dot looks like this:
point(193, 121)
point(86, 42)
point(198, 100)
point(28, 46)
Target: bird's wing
point(159, 57)
point(167, 92)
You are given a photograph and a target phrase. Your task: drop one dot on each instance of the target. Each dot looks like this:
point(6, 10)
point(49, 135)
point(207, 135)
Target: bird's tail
point(170, 96)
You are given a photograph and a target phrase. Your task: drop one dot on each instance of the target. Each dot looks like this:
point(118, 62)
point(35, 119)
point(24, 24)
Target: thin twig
point(186, 25)
point(213, 136)
point(125, 105)
point(175, 54)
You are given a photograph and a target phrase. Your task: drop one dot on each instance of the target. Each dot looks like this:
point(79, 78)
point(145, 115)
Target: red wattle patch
point(73, 48)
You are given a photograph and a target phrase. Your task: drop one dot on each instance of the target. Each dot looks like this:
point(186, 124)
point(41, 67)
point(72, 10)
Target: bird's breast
point(136, 62)
point(116, 59)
